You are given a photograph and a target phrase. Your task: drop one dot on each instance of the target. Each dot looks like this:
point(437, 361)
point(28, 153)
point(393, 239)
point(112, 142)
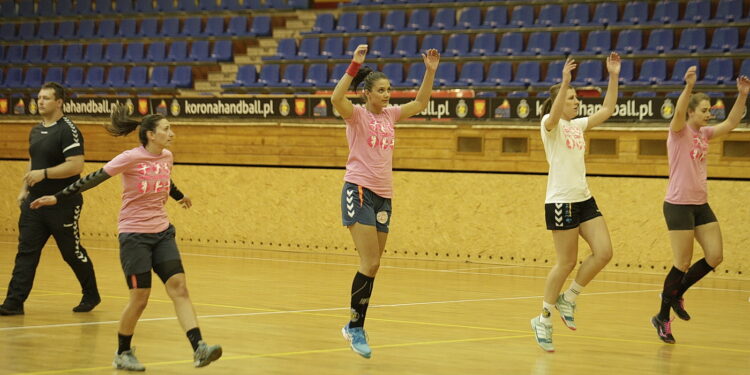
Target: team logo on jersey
point(3, 105)
point(462, 109)
point(32, 106)
point(284, 108)
point(300, 106)
point(667, 109)
point(480, 108)
point(174, 108)
point(523, 110)
point(143, 106)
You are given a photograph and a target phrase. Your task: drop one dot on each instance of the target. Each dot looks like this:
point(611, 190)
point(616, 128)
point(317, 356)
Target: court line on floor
point(305, 311)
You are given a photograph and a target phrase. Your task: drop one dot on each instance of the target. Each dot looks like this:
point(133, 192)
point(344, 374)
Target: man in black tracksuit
point(56, 151)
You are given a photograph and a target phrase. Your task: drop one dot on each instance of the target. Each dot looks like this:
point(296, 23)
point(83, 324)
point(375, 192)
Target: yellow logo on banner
point(300, 107)
point(480, 107)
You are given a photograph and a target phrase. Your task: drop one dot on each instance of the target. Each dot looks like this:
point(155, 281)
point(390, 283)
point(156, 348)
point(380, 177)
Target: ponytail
point(547, 105)
point(361, 75)
point(121, 124)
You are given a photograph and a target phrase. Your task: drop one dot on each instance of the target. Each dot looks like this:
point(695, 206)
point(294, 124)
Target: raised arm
point(431, 61)
point(339, 100)
point(83, 184)
point(680, 109)
point(610, 99)
point(735, 115)
point(559, 102)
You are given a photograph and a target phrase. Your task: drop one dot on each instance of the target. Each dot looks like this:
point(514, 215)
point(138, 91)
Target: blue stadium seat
point(103, 6)
point(182, 77)
point(679, 69)
point(484, 45)
point(8, 31)
point(598, 43)
point(500, 73)
point(134, 53)
point(660, 41)
point(85, 29)
point(636, 13)
point(74, 77)
point(286, 49)
point(347, 23)
point(605, 14)
point(540, 43)
point(214, 26)
point(352, 45)
point(94, 77)
point(528, 73)
point(157, 52)
point(26, 31)
point(66, 30)
point(115, 77)
point(126, 29)
point(137, 77)
point(8, 9)
point(148, 28)
point(191, 27)
point(199, 51)
point(745, 68)
point(261, 26)
point(93, 53)
point(577, 15)
point(725, 39)
point(83, 7)
point(113, 53)
point(568, 42)
point(269, 75)
point(144, 6)
point(54, 54)
point(324, 23)
point(629, 41)
point(33, 78)
point(446, 74)
point(720, 71)
point(14, 78)
point(549, 15)
point(15, 54)
point(406, 46)
point(294, 76)
point(469, 19)
point(246, 76)
point(106, 29)
point(46, 31)
point(692, 40)
point(207, 5)
point(338, 71)
point(309, 48)
point(728, 11)
point(627, 71)
point(395, 20)
point(64, 8)
point(54, 74)
point(333, 48)
point(34, 54)
point(445, 19)
point(697, 11)
point(395, 73)
point(511, 44)
point(159, 77)
point(653, 72)
point(415, 75)
point(496, 17)
point(230, 5)
point(124, 6)
point(382, 47)
point(522, 16)
point(188, 6)
point(419, 19)
point(554, 74)
point(432, 41)
point(370, 22)
point(665, 12)
point(238, 26)
point(222, 51)
point(589, 73)
point(471, 74)
point(73, 53)
point(26, 9)
point(317, 76)
point(458, 45)
point(170, 27)
point(177, 51)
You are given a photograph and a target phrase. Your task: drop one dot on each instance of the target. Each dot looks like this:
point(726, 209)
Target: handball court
point(280, 312)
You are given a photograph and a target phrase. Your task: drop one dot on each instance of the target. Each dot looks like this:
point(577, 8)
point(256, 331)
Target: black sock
point(123, 343)
point(694, 274)
point(194, 335)
point(671, 288)
point(361, 291)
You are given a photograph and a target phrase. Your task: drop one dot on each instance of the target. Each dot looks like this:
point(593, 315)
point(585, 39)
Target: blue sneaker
point(357, 340)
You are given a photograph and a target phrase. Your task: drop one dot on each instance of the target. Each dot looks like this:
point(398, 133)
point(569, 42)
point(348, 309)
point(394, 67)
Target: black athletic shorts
point(563, 216)
point(687, 216)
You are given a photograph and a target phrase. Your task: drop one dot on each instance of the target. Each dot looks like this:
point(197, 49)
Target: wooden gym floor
point(281, 313)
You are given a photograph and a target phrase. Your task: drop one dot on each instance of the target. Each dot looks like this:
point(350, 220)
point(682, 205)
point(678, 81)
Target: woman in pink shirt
point(147, 239)
point(367, 192)
point(686, 208)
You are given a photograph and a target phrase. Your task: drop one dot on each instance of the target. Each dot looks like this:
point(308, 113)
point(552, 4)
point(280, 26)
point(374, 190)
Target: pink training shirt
point(371, 140)
point(145, 189)
point(687, 165)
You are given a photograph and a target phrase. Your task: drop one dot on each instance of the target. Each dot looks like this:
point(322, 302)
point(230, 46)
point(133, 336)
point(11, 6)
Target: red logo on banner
point(3, 106)
point(143, 106)
point(300, 106)
point(480, 107)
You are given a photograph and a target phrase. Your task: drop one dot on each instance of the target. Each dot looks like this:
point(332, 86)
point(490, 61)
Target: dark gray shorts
point(563, 216)
point(687, 216)
point(139, 252)
point(360, 205)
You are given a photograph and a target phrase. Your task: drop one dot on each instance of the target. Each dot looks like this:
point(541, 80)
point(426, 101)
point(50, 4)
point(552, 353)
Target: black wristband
point(45, 173)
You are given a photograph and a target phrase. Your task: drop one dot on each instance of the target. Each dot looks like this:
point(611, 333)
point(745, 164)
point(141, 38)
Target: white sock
point(573, 292)
point(546, 316)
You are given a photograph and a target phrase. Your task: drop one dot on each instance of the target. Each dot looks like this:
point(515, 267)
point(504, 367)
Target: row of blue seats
point(605, 13)
point(53, 8)
point(719, 71)
point(95, 77)
point(660, 41)
point(129, 28)
point(156, 52)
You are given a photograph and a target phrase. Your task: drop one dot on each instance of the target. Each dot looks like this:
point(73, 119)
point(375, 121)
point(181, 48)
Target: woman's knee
point(714, 260)
point(177, 288)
